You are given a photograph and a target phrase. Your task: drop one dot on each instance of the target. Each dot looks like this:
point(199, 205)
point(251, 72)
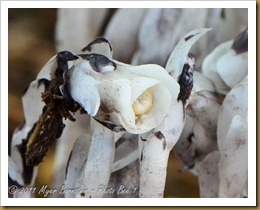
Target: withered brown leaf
point(50, 125)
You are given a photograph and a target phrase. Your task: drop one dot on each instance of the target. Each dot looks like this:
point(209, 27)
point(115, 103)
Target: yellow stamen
point(143, 103)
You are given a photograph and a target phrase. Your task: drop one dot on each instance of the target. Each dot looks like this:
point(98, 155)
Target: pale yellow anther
point(143, 103)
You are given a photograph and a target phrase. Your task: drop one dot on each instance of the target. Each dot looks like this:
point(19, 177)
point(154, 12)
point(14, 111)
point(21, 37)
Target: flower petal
point(232, 67)
point(178, 55)
point(82, 88)
point(116, 98)
point(156, 72)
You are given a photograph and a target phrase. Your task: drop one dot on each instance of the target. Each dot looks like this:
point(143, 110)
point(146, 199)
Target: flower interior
point(143, 103)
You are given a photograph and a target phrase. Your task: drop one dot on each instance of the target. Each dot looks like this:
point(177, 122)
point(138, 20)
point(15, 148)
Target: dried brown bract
point(50, 125)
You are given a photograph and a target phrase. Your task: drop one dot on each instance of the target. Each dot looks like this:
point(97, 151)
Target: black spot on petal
point(143, 139)
point(159, 135)
point(63, 58)
point(98, 62)
point(190, 137)
point(43, 81)
point(189, 37)
point(142, 156)
point(113, 127)
point(67, 166)
point(164, 144)
point(240, 44)
point(96, 41)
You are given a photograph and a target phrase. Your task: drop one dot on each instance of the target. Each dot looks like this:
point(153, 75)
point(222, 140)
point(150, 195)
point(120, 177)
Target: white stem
point(154, 152)
point(64, 146)
point(153, 167)
point(96, 172)
point(126, 153)
point(76, 161)
point(122, 32)
point(77, 26)
point(233, 164)
point(208, 176)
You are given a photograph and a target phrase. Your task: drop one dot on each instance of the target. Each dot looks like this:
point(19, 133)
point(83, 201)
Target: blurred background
point(33, 38)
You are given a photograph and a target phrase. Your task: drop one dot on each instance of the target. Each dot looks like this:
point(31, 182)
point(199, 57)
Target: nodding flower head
point(135, 97)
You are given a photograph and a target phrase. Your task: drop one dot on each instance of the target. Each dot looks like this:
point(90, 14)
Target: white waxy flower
point(227, 64)
point(136, 97)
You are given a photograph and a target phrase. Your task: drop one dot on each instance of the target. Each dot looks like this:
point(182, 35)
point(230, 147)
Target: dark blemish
point(67, 166)
point(113, 127)
point(63, 58)
point(189, 37)
point(186, 80)
point(107, 118)
point(97, 61)
point(43, 81)
point(190, 137)
point(192, 165)
point(105, 108)
point(223, 14)
point(240, 44)
point(164, 144)
point(96, 41)
point(143, 139)
point(239, 142)
point(40, 81)
point(82, 194)
point(159, 135)
point(142, 156)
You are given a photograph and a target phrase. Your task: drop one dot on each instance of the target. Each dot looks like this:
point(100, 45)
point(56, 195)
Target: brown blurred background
point(30, 45)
